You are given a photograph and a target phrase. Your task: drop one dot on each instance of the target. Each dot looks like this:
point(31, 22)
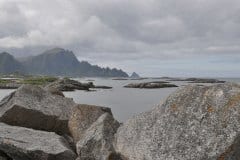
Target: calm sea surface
point(124, 102)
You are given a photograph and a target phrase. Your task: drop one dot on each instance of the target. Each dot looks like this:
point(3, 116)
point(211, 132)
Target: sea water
point(124, 102)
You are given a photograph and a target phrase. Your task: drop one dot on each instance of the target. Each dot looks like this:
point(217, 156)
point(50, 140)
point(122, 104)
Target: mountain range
point(55, 62)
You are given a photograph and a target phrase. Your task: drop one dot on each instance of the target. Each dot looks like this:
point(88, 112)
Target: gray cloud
point(112, 30)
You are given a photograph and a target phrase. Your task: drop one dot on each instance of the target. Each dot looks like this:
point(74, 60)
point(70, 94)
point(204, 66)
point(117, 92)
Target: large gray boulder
point(97, 141)
point(195, 122)
point(20, 143)
point(34, 107)
point(82, 117)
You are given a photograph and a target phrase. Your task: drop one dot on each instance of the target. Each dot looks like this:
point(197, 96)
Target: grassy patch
point(4, 81)
point(39, 80)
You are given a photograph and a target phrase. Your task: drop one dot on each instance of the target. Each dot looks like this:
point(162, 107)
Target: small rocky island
point(195, 122)
point(196, 80)
point(67, 84)
point(151, 85)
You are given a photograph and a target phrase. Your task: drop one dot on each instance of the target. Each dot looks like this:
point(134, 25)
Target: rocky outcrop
point(195, 122)
point(82, 117)
point(69, 85)
point(102, 87)
point(196, 80)
point(20, 143)
point(203, 80)
point(151, 85)
point(97, 142)
point(34, 107)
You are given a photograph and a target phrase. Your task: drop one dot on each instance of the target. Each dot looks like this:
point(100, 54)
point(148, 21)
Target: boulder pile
point(194, 123)
point(37, 124)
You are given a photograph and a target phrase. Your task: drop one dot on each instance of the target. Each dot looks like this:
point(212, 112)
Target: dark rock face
point(151, 85)
point(97, 142)
point(27, 144)
point(193, 123)
point(34, 107)
point(82, 117)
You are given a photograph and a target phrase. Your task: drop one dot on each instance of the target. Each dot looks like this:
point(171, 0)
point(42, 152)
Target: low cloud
point(113, 30)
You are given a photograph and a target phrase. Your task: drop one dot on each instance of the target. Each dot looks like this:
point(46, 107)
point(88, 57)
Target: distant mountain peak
point(5, 54)
point(56, 62)
point(65, 56)
point(55, 51)
point(8, 64)
point(135, 75)
point(61, 62)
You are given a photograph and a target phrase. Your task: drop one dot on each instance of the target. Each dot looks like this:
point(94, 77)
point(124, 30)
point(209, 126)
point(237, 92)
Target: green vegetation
point(4, 81)
point(39, 80)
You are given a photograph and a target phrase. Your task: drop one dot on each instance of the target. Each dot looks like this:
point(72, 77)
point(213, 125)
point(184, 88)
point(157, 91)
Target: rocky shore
point(64, 84)
point(196, 80)
point(151, 85)
point(16, 82)
point(195, 122)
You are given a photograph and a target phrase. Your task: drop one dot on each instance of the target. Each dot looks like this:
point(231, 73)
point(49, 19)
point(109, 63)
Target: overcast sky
point(151, 37)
